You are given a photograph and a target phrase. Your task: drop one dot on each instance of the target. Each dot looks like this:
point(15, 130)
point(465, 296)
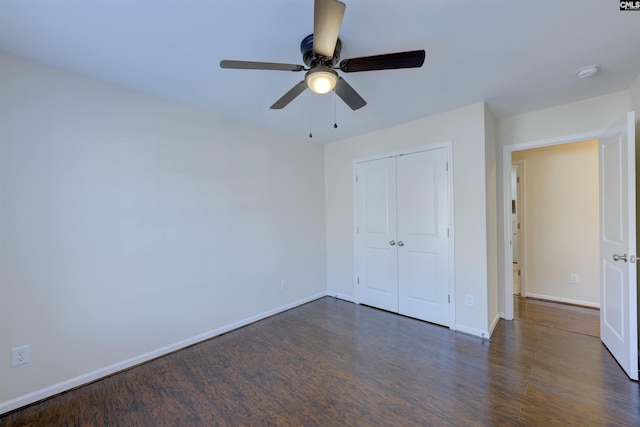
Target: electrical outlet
point(574, 278)
point(20, 356)
point(469, 300)
point(284, 284)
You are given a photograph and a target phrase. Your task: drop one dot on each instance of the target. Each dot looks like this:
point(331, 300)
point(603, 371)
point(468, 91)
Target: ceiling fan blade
point(389, 61)
point(349, 95)
point(249, 65)
point(327, 19)
point(289, 96)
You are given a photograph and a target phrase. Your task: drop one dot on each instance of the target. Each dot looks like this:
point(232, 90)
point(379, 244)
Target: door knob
point(401, 243)
point(622, 257)
point(393, 242)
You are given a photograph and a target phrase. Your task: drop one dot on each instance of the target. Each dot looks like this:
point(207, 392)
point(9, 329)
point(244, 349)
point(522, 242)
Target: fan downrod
point(312, 60)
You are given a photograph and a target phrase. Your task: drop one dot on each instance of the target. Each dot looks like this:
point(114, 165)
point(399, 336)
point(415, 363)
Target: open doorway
point(559, 198)
point(508, 158)
point(617, 236)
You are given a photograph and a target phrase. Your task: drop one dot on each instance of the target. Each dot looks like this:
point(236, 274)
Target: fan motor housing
point(312, 60)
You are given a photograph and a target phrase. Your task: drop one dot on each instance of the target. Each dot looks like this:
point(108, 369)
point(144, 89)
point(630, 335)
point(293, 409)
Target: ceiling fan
point(321, 53)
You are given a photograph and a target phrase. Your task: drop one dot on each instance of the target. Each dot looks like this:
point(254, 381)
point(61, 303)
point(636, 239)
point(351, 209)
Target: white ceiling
point(517, 55)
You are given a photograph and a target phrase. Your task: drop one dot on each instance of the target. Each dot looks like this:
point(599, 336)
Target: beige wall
point(131, 226)
point(561, 222)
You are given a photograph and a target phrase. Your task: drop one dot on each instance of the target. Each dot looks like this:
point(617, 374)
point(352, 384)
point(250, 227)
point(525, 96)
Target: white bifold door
point(402, 234)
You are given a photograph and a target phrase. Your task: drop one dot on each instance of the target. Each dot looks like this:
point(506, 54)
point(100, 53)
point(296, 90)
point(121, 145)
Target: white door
point(402, 246)
point(377, 261)
point(618, 305)
point(423, 250)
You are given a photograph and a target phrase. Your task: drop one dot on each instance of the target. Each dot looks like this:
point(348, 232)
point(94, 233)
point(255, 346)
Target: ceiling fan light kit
point(321, 80)
point(321, 53)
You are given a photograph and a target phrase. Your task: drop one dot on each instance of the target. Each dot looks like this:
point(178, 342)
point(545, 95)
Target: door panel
point(378, 188)
point(618, 305)
point(376, 227)
point(613, 292)
point(421, 277)
point(612, 186)
point(376, 275)
point(423, 264)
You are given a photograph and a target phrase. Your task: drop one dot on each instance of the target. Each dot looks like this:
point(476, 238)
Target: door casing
point(520, 203)
point(506, 209)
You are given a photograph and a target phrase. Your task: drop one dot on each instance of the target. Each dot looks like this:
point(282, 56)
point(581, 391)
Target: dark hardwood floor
point(333, 363)
point(572, 318)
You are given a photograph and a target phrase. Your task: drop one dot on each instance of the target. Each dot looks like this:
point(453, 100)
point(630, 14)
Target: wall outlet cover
point(469, 300)
point(20, 356)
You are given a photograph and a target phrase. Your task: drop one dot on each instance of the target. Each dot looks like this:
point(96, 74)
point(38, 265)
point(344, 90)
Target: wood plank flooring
point(333, 363)
point(573, 318)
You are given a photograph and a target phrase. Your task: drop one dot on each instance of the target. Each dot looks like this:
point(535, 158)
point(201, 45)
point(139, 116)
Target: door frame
point(448, 145)
point(507, 150)
point(520, 209)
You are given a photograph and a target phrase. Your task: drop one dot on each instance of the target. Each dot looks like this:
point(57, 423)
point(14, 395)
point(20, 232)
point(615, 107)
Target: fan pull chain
point(335, 110)
point(309, 97)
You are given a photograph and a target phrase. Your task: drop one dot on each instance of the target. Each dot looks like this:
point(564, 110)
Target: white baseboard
point(459, 328)
point(344, 297)
point(473, 331)
point(60, 387)
point(565, 300)
point(494, 323)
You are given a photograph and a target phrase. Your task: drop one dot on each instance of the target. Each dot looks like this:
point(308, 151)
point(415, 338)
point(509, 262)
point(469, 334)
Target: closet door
point(376, 254)
point(423, 241)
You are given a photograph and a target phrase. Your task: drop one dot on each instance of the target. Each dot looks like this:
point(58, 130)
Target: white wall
point(548, 125)
point(465, 127)
point(562, 222)
point(492, 223)
point(634, 97)
point(129, 225)
point(567, 119)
